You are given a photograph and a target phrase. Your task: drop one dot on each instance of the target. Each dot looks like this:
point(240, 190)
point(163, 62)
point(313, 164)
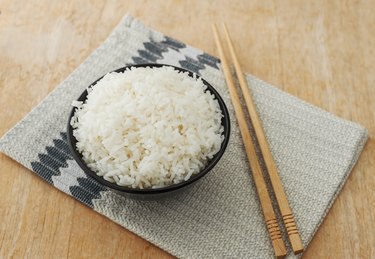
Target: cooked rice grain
point(148, 127)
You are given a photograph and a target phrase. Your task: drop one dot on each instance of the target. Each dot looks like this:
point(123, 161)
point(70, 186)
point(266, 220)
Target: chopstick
point(277, 186)
point(265, 200)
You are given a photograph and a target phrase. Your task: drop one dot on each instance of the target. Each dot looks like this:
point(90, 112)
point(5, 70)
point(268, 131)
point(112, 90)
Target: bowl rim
point(225, 122)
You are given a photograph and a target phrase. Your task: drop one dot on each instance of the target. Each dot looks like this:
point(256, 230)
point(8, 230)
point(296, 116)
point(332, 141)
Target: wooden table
point(321, 51)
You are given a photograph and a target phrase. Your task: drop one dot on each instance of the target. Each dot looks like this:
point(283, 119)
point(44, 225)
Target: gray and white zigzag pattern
point(56, 164)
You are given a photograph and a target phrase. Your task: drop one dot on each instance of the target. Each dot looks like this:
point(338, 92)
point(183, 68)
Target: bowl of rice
point(149, 130)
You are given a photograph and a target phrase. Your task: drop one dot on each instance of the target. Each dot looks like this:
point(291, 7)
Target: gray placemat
point(220, 217)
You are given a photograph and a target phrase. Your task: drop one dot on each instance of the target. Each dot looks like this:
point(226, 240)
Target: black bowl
point(159, 192)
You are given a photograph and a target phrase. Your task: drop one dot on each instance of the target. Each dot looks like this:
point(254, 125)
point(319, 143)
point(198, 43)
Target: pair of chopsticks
point(264, 197)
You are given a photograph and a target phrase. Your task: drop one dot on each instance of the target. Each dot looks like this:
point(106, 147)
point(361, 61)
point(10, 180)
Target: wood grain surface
point(321, 51)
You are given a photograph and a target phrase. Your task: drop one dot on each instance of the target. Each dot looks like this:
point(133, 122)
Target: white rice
point(148, 127)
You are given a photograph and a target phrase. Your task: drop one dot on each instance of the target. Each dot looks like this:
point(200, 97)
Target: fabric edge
point(133, 230)
point(359, 148)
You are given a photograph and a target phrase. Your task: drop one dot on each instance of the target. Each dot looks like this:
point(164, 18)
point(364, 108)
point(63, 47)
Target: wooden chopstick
point(281, 198)
point(265, 200)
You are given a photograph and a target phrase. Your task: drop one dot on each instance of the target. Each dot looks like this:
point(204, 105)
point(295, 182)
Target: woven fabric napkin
point(219, 217)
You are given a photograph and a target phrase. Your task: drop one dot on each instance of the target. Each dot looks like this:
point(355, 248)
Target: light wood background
point(321, 51)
